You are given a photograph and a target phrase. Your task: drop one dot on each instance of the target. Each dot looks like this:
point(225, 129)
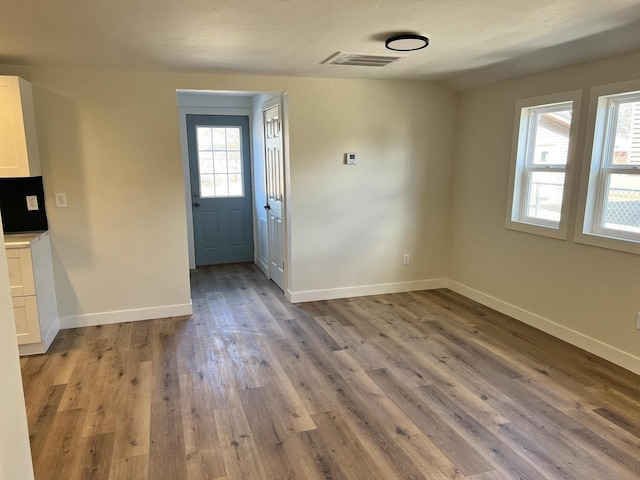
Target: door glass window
point(220, 162)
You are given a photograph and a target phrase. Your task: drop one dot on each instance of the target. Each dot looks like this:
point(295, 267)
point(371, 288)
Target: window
point(612, 203)
point(220, 162)
point(541, 164)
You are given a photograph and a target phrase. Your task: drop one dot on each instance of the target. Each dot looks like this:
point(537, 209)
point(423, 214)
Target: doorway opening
point(235, 165)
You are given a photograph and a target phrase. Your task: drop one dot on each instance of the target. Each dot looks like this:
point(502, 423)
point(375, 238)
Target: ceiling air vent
point(362, 59)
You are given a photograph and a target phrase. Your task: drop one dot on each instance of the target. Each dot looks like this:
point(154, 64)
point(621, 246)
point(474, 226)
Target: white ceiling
point(472, 42)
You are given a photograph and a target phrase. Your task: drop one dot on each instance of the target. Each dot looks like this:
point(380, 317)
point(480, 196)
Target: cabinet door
point(25, 311)
point(20, 272)
point(19, 156)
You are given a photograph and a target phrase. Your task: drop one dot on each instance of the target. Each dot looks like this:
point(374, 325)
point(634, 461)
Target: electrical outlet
point(405, 259)
point(638, 321)
point(61, 200)
point(32, 203)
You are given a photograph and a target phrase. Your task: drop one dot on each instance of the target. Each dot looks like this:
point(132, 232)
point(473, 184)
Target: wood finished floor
point(425, 385)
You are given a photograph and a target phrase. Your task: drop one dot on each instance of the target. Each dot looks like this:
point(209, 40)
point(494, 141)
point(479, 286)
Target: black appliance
point(20, 212)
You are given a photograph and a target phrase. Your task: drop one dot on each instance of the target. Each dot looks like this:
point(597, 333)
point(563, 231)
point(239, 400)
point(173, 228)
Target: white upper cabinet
point(19, 156)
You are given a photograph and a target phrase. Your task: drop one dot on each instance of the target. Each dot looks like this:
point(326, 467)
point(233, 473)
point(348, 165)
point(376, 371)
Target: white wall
point(587, 295)
point(111, 141)
point(15, 453)
point(352, 224)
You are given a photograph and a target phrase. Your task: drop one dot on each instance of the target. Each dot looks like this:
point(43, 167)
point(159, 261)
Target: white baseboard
point(51, 335)
point(31, 349)
point(361, 291)
point(120, 316)
point(591, 345)
point(263, 266)
point(288, 294)
point(40, 347)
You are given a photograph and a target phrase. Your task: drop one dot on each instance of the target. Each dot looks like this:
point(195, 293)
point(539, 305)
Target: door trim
point(287, 195)
point(182, 122)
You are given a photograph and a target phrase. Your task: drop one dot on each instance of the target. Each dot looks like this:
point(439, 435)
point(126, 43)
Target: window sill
point(542, 230)
point(611, 243)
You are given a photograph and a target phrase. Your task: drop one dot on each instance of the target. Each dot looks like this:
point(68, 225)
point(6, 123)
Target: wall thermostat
point(350, 158)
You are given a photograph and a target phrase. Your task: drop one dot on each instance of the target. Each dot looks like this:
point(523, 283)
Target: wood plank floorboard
point(420, 385)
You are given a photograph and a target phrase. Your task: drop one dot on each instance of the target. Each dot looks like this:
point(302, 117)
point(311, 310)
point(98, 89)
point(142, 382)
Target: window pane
point(204, 138)
point(220, 162)
point(222, 187)
point(551, 137)
point(626, 150)
point(206, 162)
point(206, 186)
point(622, 208)
point(235, 164)
point(545, 195)
point(233, 139)
point(235, 185)
point(219, 142)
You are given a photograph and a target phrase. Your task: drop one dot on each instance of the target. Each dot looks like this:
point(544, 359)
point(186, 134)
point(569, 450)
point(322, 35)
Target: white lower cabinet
point(33, 291)
point(25, 311)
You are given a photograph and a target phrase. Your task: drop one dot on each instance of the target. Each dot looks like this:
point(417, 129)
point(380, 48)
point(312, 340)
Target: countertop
point(21, 240)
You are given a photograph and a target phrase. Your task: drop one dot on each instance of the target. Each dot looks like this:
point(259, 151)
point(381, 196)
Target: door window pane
point(222, 186)
point(219, 142)
point(235, 185)
point(220, 161)
point(205, 159)
point(206, 186)
point(235, 162)
point(204, 139)
point(233, 139)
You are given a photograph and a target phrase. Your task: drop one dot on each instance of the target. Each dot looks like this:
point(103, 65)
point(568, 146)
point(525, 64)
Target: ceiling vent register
point(362, 59)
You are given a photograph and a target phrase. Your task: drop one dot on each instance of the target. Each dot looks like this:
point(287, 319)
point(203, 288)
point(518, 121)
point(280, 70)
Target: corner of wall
point(453, 164)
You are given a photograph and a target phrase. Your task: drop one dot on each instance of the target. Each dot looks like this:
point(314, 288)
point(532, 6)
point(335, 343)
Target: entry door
point(274, 170)
point(220, 168)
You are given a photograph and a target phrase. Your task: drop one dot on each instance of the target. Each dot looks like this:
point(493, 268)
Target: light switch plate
point(32, 203)
point(61, 200)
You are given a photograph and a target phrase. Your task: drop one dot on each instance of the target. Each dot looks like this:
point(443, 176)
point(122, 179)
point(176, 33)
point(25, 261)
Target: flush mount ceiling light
point(406, 42)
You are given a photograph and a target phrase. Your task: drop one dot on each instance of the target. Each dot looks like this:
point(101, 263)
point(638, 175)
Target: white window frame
point(521, 168)
point(589, 229)
point(213, 150)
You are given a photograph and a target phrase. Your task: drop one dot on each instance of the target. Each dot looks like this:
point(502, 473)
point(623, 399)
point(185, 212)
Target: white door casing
point(274, 177)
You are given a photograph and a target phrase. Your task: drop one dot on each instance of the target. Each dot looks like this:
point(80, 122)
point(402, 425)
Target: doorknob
point(197, 204)
point(267, 207)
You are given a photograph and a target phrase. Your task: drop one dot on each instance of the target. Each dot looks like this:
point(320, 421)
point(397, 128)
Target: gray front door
point(220, 168)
